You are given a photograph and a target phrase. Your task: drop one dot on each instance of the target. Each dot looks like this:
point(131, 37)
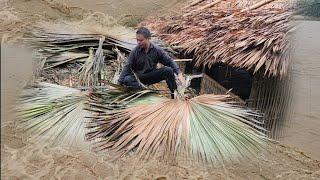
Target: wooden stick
point(182, 60)
point(210, 5)
point(257, 5)
point(194, 3)
point(203, 7)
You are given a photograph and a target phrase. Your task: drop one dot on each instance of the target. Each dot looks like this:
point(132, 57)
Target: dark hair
point(144, 31)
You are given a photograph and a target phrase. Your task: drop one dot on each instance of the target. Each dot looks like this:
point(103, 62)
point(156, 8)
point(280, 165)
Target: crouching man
point(143, 61)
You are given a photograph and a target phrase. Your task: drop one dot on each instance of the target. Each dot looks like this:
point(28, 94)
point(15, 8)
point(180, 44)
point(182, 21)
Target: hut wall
point(271, 96)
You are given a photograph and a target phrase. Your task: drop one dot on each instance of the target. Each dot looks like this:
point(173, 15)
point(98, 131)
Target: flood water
point(303, 129)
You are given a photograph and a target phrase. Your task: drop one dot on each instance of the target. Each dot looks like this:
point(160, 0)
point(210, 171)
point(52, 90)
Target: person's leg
point(157, 75)
point(131, 82)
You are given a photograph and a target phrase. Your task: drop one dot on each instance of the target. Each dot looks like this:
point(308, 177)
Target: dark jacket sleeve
point(166, 60)
point(127, 69)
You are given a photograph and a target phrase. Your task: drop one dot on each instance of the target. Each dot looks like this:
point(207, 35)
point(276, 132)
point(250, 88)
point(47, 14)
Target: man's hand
point(182, 79)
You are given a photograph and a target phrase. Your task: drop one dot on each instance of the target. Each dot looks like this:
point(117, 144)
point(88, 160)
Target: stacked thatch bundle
point(253, 38)
point(68, 51)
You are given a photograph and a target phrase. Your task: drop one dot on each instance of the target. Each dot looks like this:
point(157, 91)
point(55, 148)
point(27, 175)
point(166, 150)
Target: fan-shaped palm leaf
point(208, 128)
point(55, 113)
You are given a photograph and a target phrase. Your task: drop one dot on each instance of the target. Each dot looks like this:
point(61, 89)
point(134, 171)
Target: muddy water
point(303, 130)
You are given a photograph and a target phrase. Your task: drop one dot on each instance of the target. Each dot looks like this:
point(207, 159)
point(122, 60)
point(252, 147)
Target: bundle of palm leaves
point(208, 128)
point(63, 48)
point(247, 38)
point(58, 113)
point(57, 48)
point(90, 72)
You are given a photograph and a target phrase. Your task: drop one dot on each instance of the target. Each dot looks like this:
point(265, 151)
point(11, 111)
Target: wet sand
point(21, 159)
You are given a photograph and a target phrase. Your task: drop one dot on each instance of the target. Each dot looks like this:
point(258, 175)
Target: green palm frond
point(208, 128)
point(116, 98)
point(58, 115)
point(54, 113)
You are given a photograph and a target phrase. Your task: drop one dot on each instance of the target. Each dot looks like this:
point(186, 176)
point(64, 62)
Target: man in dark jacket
point(143, 61)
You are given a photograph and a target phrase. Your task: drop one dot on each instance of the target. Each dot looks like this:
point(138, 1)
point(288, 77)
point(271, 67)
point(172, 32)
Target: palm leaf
point(117, 65)
point(54, 114)
point(208, 128)
point(57, 114)
point(61, 46)
point(90, 72)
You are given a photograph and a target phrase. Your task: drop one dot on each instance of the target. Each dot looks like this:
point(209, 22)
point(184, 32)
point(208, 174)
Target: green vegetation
point(309, 7)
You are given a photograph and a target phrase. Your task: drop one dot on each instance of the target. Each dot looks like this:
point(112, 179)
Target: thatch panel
point(254, 39)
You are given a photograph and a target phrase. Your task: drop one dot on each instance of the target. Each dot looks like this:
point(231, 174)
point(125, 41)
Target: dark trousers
point(155, 76)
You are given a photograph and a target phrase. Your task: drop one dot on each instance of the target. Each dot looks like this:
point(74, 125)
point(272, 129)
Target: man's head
point(143, 37)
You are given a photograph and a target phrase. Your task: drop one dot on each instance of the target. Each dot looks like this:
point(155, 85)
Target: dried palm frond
point(63, 58)
point(64, 47)
point(54, 45)
point(117, 65)
point(250, 39)
point(54, 113)
point(71, 40)
point(208, 128)
point(90, 72)
point(54, 39)
point(97, 68)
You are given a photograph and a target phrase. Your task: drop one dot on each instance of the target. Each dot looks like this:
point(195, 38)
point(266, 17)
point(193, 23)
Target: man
point(143, 61)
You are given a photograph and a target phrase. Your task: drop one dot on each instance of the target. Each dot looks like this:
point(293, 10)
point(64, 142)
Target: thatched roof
point(250, 38)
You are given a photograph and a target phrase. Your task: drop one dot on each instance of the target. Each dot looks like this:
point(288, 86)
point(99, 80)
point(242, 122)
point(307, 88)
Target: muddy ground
point(21, 159)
